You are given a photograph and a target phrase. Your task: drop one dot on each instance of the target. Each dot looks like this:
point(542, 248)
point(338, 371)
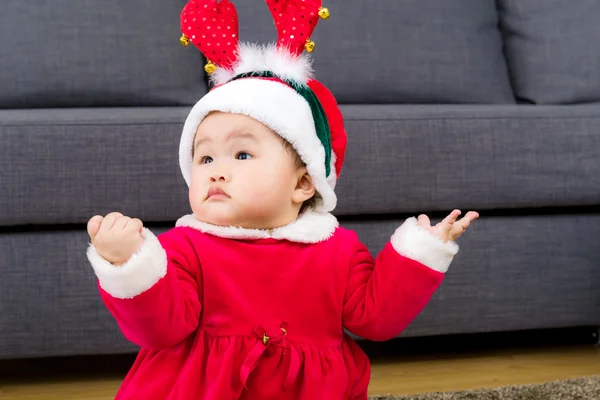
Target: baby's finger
point(93, 226)
point(121, 222)
point(446, 224)
point(424, 221)
point(467, 219)
point(461, 226)
point(451, 218)
point(472, 215)
point(109, 220)
point(135, 225)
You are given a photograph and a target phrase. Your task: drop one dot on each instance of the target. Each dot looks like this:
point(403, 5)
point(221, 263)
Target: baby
point(248, 297)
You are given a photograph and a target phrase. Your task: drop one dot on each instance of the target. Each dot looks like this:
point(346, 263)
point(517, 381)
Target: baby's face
point(242, 174)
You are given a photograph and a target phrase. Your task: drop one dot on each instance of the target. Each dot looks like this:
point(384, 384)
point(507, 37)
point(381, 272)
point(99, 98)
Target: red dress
point(247, 317)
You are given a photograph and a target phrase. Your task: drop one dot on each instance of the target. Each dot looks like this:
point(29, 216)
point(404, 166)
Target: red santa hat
point(273, 84)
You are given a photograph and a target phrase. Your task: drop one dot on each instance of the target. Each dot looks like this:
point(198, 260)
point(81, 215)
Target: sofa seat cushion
point(64, 166)
point(527, 279)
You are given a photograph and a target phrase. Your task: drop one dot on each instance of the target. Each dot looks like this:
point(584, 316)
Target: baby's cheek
point(251, 188)
point(195, 196)
point(257, 193)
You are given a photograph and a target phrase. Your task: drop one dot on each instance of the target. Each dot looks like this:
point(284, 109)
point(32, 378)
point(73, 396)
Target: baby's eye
point(243, 156)
point(206, 160)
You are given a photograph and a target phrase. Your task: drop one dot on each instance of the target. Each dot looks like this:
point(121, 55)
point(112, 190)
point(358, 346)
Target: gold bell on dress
point(324, 12)
point(309, 46)
point(184, 40)
point(210, 67)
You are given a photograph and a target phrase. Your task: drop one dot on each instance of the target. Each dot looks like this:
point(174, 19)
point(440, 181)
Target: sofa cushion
point(64, 166)
point(518, 273)
point(66, 53)
point(552, 49)
point(422, 158)
point(414, 51)
point(512, 273)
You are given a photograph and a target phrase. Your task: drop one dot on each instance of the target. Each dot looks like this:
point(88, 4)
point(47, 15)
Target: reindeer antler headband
point(212, 26)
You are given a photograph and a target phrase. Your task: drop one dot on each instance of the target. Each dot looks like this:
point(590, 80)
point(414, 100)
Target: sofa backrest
point(553, 49)
point(77, 53)
point(401, 51)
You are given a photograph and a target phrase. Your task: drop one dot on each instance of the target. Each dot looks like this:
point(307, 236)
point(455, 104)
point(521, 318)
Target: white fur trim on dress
point(257, 58)
point(139, 274)
point(279, 107)
point(414, 242)
point(309, 227)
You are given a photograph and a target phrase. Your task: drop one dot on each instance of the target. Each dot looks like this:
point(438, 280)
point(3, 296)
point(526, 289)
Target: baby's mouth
point(216, 193)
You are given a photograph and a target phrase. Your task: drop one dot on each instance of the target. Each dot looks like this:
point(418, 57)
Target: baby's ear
point(305, 189)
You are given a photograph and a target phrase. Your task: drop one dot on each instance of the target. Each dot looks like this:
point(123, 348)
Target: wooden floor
point(405, 373)
point(484, 370)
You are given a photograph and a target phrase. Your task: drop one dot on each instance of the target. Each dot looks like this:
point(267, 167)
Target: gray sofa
point(476, 104)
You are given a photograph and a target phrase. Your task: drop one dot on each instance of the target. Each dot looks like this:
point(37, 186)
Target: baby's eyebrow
point(200, 142)
point(241, 135)
point(231, 136)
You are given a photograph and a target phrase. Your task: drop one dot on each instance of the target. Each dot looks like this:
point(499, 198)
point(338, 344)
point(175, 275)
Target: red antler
point(212, 27)
point(295, 21)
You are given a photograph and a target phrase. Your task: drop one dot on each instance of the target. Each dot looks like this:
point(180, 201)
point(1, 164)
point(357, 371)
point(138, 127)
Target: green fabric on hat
point(318, 113)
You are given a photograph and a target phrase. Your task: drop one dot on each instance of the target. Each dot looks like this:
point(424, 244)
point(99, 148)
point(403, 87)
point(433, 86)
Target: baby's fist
point(116, 237)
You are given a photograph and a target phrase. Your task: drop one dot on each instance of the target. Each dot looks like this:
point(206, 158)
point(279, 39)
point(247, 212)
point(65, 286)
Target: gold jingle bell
point(324, 12)
point(210, 67)
point(309, 46)
point(185, 42)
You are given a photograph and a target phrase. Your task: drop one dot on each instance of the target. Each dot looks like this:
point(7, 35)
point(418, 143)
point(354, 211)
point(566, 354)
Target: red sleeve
point(384, 295)
point(155, 297)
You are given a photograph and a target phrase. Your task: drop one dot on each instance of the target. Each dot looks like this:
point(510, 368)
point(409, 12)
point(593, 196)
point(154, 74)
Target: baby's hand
point(449, 229)
point(116, 237)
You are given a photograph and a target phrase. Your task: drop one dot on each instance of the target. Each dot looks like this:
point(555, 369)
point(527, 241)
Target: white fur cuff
point(139, 274)
point(414, 242)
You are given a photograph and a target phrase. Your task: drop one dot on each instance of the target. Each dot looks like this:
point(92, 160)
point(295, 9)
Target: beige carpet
point(576, 389)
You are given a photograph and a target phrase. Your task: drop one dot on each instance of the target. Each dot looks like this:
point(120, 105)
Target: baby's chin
point(221, 217)
point(218, 219)
point(227, 219)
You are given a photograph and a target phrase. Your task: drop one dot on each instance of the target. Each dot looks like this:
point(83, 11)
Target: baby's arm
point(383, 296)
point(150, 285)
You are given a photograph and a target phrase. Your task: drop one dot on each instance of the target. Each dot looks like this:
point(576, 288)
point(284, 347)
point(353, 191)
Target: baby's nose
point(219, 177)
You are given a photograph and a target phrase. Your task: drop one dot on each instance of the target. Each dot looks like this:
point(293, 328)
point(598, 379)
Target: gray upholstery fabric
point(407, 51)
point(552, 49)
point(514, 273)
point(66, 53)
point(412, 158)
point(482, 157)
point(49, 302)
point(83, 162)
